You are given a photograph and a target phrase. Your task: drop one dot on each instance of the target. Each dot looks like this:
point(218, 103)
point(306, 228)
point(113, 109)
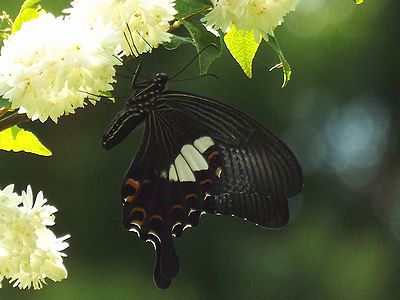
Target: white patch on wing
point(190, 160)
point(173, 228)
point(203, 143)
point(155, 235)
point(193, 157)
point(172, 173)
point(183, 169)
point(153, 243)
point(187, 226)
point(133, 229)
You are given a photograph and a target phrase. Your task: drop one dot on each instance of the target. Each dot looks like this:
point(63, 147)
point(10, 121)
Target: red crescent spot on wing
point(178, 206)
point(129, 199)
point(133, 183)
point(188, 196)
point(158, 217)
point(213, 154)
point(141, 210)
point(205, 181)
point(137, 222)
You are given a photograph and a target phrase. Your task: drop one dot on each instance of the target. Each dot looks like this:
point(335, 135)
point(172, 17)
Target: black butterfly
point(197, 156)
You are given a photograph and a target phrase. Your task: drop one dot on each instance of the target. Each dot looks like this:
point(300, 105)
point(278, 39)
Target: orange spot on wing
point(140, 210)
point(129, 199)
point(137, 222)
point(178, 206)
point(205, 181)
point(188, 196)
point(133, 183)
point(158, 217)
point(213, 154)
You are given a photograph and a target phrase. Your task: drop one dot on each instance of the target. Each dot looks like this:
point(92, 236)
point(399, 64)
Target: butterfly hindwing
point(164, 190)
point(249, 187)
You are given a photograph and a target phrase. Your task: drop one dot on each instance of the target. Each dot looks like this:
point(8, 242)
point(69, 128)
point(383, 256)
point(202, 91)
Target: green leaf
point(243, 46)
point(17, 139)
point(4, 104)
point(202, 38)
point(177, 41)
point(287, 72)
point(187, 8)
point(28, 11)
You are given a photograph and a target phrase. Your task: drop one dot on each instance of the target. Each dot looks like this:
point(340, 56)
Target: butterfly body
point(197, 156)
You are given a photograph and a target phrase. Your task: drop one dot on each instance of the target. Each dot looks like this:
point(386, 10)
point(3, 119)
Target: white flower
point(144, 22)
point(29, 251)
point(260, 16)
point(8, 198)
point(49, 67)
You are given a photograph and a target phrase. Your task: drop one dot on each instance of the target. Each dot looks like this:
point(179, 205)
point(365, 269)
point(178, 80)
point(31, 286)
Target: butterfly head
point(160, 81)
point(147, 91)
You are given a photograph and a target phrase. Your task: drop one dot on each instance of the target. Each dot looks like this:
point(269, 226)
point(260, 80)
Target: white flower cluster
point(29, 251)
point(49, 67)
point(52, 65)
point(260, 16)
point(144, 22)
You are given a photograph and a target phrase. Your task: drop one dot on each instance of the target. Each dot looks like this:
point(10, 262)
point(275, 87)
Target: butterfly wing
point(198, 155)
point(258, 171)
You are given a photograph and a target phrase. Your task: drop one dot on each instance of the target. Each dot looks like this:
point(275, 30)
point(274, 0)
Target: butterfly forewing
point(253, 154)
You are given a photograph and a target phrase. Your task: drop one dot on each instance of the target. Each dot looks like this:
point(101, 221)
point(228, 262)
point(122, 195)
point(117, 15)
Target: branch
point(176, 23)
point(13, 120)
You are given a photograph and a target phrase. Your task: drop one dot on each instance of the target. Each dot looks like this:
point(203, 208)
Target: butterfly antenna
point(129, 44)
point(148, 44)
point(120, 58)
point(96, 96)
point(124, 76)
point(200, 76)
point(193, 59)
point(136, 74)
point(133, 42)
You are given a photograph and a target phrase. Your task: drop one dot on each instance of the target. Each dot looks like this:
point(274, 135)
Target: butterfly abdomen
point(123, 124)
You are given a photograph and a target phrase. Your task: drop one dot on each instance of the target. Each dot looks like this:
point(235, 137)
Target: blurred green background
point(340, 114)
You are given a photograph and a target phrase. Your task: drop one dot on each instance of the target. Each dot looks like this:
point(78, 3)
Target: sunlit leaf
point(17, 139)
point(202, 38)
point(29, 11)
point(287, 72)
point(188, 8)
point(358, 1)
point(243, 46)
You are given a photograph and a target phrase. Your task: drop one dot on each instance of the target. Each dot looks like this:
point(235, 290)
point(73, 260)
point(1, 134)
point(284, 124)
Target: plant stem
point(176, 24)
point(12, 120)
